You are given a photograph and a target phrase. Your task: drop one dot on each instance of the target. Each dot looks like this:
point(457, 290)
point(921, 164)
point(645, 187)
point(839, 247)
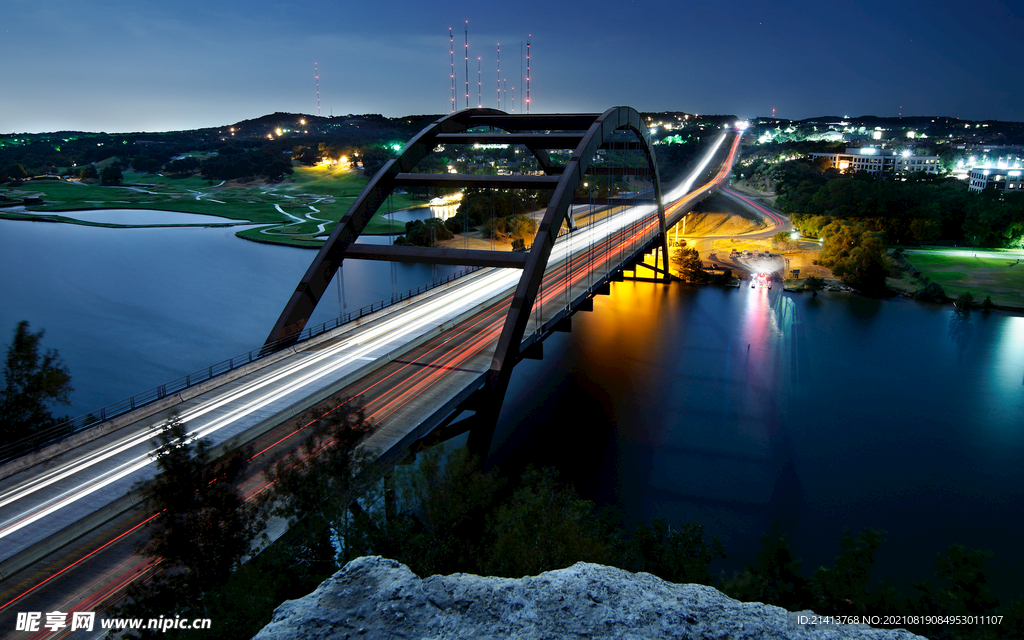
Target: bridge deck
point(433, 352)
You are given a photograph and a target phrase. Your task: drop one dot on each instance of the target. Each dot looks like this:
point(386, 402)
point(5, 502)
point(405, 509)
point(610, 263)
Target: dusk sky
point(115, 66)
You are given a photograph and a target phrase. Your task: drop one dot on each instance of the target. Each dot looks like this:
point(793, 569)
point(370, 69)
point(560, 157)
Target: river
point(748, 410)
point(754, 411)
point(130, 309)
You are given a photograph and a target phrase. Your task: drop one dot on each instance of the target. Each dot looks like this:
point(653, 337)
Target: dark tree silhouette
point(33, 379)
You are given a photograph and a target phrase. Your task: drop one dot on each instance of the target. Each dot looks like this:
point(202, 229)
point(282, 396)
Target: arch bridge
point(574, 154)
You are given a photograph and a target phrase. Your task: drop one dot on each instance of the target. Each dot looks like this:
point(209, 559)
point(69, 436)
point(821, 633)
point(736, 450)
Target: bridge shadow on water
point(642, 416)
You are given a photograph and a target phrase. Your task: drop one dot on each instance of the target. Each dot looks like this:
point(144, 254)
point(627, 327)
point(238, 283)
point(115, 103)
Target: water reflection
point(442, 212)
point(960, 332)
point(749, 410)
point(864, 309)
point(1010, 356)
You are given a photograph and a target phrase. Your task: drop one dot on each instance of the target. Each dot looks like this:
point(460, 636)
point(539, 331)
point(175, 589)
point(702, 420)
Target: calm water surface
point(141, 217)
point(747, 410)
point(129, 309)
point(754, 410)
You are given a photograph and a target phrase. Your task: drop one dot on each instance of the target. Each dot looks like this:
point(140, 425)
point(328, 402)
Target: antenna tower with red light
point(451, 48)
point(467, 64)
point(528, 73)
point(316, 76)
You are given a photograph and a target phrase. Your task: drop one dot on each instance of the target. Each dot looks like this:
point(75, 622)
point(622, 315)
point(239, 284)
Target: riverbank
point(993, 273)
point(723, 225)
point(298, 211)
point(983, 273)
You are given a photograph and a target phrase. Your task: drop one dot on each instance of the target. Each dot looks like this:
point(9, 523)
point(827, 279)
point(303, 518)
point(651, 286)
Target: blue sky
point(114, 65)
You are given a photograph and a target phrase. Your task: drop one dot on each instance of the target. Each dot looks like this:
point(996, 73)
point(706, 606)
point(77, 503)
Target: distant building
point(880, 161)
point(914, 164)
point(1005, 180)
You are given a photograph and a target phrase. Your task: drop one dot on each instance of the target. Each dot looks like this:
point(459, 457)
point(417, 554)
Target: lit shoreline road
point(771, 266)
point(37, 503)
point(779, 220)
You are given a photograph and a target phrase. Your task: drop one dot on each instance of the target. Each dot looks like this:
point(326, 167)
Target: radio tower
point(499, 75)
point(467, 64)
point(528, 73)
point(316, 75)
point(479, 85)
point(451, 45)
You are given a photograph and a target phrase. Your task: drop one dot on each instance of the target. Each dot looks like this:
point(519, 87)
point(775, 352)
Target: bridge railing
point(56, 433)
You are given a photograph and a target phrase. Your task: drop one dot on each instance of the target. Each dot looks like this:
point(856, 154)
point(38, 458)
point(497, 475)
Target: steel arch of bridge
point(584, 133)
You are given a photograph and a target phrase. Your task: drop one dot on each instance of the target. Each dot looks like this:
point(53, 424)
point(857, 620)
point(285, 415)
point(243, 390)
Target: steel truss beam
point(507, 354)
point(585, 134)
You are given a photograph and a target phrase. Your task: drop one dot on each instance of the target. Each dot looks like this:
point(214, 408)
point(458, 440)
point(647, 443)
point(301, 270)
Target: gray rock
point(373, 597)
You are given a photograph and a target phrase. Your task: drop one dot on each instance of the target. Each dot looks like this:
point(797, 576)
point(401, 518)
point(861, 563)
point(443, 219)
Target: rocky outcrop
point(373, 597)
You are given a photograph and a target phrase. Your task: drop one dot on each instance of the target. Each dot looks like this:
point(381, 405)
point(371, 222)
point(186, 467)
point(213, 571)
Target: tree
point(88, 172)
point(959, 587)
point(691, 268)
point(843, 588)
point(512, 227)
point(855, 254)
point(111, 175)
point(374, 159)
point(445, 502)
point(676, 554)
point(146, 164)
point(782, 241)
point(16, 172)
point(964, 302)
point(425, 233)
point(202, 528)
point(725, 277)
point(481, 205)
point(814, 284)
point(183, 167)
point(774, 578)
point(544, 526)
point(33, 380)
point(318, 481)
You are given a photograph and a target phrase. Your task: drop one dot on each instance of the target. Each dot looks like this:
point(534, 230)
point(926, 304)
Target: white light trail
point(399, 328)
point(687, 184)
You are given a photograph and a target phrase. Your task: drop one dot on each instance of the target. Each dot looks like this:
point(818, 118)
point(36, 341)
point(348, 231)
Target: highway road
point(434, 345)
point(741, 265)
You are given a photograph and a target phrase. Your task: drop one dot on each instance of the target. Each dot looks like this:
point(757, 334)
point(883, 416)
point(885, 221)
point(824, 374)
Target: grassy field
point(983, 273)
point(316, 195)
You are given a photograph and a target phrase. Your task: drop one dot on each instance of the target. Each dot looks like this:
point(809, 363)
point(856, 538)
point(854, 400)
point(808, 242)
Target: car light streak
point(776, 219)
point(77, 562)
point(685, 186)
point(589, 245)
point(435, 311)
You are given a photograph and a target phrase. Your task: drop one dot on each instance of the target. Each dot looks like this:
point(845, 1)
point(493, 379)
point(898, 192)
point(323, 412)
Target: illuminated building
point(1003, 179)
point(880, 161)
